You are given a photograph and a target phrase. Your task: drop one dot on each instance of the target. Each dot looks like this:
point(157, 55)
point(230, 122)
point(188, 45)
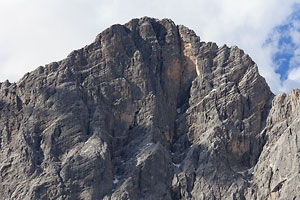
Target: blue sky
point(285, 38)
point(35, 32)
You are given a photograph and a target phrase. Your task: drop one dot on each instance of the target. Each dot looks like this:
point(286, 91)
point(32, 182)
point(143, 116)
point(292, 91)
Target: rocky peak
point(147, 111)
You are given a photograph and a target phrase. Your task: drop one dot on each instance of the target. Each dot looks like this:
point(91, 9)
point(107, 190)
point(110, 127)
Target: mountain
point(149, 111)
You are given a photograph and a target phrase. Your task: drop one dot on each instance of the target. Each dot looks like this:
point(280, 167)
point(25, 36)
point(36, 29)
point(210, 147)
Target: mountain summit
point(149, 111)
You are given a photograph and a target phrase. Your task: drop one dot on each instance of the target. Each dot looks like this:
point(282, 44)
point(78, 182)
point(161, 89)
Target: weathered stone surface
point(148, 111)
point(276, 175)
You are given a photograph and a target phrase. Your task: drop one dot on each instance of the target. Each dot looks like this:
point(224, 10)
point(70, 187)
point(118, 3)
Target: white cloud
point(293, 79)
point(295, 36)
point(294, 74)
point(295, 60)
point(292, 82)
point(286, 43)
point(38, 32)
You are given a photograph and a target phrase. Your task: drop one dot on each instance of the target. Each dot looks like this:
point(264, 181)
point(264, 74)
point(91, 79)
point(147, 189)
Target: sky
point(37, 32)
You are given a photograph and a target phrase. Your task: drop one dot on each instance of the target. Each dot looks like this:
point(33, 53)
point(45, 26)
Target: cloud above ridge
point(38, 32)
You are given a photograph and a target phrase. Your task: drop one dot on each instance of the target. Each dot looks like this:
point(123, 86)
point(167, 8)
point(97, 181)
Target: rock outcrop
point(148, 111)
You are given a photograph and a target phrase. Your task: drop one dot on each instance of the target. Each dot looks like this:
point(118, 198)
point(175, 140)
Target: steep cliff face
point(276, 175)
point(148, 111)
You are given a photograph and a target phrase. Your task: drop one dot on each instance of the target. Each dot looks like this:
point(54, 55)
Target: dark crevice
point(8, 131)
point(1, 139)
point(270, 180)
point(134, 124)
point(278, 186)
point(19, 103)
point(260, 140)
point(266, 110)
point(63, 186)
point(37, 145)
point(160, 32)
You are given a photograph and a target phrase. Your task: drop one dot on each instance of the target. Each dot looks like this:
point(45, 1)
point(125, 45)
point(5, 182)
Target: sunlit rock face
point(148, 111)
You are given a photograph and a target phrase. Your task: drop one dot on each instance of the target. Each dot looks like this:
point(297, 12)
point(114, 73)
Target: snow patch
point(251, 170)
point(177, 165)
point(115, 181)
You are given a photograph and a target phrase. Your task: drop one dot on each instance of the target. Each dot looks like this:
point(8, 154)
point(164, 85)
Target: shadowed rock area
point(149, 111)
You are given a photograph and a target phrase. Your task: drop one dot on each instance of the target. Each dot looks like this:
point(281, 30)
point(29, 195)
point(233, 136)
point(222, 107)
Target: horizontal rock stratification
point(148, 111)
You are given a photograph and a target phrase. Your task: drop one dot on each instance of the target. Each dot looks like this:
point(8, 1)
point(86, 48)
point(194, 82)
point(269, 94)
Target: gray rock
point(148, 111)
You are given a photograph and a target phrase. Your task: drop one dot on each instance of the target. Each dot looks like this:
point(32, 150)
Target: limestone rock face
point(276, 175)
point(148, 111)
